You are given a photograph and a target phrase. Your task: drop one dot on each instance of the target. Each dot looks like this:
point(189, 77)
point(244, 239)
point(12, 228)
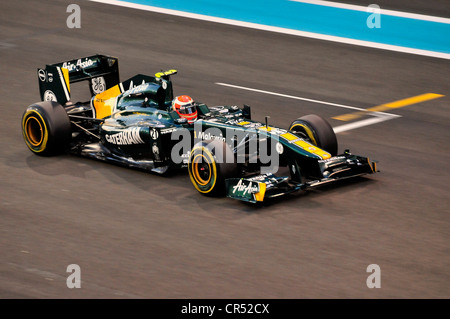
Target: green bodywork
point(144, 132)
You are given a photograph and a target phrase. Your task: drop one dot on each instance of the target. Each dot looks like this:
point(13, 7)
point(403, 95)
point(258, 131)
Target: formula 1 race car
point(133, 123)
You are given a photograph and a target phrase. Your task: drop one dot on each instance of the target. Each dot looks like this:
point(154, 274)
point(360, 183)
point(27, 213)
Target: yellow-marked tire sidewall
point(201, 185)
point(307, 130)
point(318, 130)
point(33, 116)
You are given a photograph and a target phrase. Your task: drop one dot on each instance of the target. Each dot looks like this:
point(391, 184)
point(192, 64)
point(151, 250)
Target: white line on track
point(378, 116)
point(382, 11)
point(257, 26)
point(291, 96)
point(362, 123)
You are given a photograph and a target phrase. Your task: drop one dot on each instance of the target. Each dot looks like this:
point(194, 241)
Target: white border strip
point(277, 29)
point(382, 11)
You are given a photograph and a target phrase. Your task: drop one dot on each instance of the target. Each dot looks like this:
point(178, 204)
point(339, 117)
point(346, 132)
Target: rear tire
point(211, 162)
point(46, 128)
point(318, 131)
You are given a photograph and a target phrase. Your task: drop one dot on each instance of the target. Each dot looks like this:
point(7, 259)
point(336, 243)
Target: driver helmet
point(184, 105)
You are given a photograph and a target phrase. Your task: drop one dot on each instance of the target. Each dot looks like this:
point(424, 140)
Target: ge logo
point(154, 134)
point(98, 85)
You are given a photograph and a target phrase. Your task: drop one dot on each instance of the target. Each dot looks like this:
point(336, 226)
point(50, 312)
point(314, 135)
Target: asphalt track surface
point(137, 235)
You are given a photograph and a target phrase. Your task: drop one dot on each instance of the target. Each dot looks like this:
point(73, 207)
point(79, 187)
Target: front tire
point(210, 164)
point(318, 131)
point(46, 128)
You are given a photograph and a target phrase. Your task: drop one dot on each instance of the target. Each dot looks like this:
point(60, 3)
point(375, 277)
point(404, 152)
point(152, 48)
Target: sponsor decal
point(49, 96)
point(41, 74)
point(50, 77)
point(154, 134)
point(127, 137)
point(132, 86)
point(168, 130)
point(98, 85)
point(137, 89)
point(332, 159)
point(208, 136)
point(250, 124)
point(259, 177)
point(78, 65)
point(185, 158)
point(279, 131)
point(155, 151)
point(279, 147)
point(242, 189)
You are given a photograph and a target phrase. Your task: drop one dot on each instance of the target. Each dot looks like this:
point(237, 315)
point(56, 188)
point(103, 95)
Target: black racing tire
point(318, 131)
point(46, 128)
point(211, 162)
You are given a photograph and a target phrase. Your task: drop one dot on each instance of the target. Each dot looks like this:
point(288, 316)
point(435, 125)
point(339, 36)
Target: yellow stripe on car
point(290, 137)
point(165, 73)
point(104, 102)
point(293, 139)
point(313, 149)
point(259, 196)
point(264, 128)
point(65, 73)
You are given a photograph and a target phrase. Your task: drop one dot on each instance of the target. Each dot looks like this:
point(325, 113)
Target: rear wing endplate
point(101, 71)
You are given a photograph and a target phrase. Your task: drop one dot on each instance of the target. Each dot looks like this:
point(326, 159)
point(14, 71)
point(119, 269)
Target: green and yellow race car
point(139, 123)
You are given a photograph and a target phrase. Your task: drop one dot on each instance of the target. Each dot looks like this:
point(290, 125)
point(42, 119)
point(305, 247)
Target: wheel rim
point(201, 170)
point(34, 131)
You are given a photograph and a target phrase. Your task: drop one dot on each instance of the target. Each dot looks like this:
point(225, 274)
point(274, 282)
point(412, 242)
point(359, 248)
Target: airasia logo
point(244, 189)
point(78, 65)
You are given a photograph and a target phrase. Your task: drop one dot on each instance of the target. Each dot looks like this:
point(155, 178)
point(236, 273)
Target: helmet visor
point(187, 109)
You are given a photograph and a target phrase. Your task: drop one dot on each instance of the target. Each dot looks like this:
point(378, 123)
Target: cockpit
point(145, 95)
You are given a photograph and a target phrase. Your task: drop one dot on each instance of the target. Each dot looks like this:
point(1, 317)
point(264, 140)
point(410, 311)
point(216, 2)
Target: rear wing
point(101, 71)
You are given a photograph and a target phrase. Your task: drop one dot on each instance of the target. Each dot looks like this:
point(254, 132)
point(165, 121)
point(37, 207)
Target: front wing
point(261, 187)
